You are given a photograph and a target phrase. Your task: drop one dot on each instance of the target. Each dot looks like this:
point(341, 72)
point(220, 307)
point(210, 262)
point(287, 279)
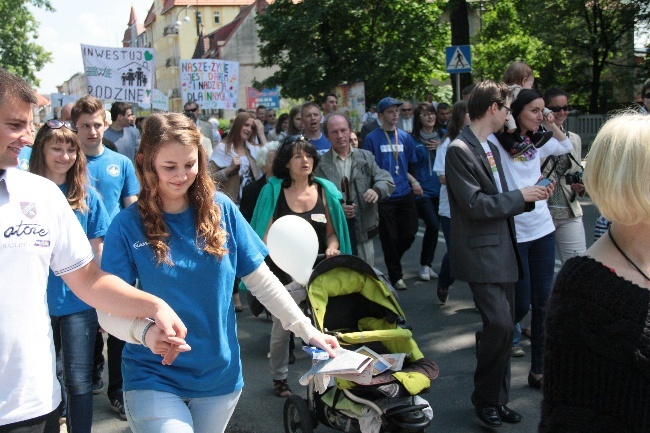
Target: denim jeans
point(534, 289)
point(151, 411)
point(428, 212)
point(74, 338)
point(444, 276)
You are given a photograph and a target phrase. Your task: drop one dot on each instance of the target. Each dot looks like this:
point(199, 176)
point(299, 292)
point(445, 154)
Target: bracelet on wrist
point(144, 333)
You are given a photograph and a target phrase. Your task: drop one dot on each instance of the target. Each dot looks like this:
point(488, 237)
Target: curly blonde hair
point(157, 131)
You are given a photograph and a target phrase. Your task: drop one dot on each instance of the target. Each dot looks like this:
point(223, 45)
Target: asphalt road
point(444, 333)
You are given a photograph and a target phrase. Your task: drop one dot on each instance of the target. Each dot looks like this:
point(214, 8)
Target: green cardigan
point(268, 199)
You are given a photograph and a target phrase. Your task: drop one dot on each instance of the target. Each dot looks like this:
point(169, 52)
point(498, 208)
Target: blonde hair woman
point(597, 352)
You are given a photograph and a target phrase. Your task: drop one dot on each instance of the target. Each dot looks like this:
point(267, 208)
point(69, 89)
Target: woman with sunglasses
point(535, 229)
point(56, 155)
point(566, 170)
point(426, 184)
point(294, 190)
point(187, 243)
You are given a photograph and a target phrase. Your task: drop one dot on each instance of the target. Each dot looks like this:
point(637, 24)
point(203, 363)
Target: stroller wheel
point(297, 417)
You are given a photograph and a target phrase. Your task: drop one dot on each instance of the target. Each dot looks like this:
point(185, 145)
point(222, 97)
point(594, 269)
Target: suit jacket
point(365, 174)
point(484, 247)
point(401, 124)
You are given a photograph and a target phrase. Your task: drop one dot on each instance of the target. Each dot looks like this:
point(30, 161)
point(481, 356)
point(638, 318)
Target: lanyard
point(395, 149)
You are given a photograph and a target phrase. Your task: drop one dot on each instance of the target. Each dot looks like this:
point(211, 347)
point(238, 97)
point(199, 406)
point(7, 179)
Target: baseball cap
point(387, 102)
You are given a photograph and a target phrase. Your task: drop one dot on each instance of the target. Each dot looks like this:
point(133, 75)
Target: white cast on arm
point(273, 295)
point(127, 329)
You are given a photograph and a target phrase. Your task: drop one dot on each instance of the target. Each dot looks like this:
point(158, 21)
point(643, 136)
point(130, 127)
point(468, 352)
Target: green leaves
point(19, 54)
point(395, 47)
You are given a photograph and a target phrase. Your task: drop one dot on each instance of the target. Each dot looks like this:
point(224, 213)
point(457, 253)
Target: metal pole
point(458, 96)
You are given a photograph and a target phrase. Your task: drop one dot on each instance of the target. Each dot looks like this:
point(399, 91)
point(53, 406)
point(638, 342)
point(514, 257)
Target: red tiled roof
point(171, 3)
point(224, 33)
point(132, 18)
point(151, 16)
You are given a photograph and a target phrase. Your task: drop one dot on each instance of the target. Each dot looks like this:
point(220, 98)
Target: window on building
point(217, 18)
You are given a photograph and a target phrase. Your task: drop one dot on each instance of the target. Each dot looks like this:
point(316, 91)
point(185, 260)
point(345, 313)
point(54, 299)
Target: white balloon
point(293, 246)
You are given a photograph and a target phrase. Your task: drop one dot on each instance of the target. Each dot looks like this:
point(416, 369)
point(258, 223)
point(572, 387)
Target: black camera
point(575, 177)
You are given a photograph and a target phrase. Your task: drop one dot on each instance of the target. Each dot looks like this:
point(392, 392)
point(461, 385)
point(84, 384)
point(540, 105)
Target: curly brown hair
point(157, 131)
point(76, 178)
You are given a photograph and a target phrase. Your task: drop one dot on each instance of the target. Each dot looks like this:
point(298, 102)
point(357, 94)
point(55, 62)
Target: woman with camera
point(566, 171)
point(535, 229)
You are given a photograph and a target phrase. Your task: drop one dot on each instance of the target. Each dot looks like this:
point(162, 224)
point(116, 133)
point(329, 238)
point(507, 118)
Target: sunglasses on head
point(556, 109)
point(57, 124)
point(293, 139)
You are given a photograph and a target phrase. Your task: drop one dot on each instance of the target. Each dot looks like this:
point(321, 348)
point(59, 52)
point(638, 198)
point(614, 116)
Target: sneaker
point(117, 405)
point(400, 284)
point(98, 386)
point(424, 273)
point(517, 352)
point(432, 274)
point(281, 388)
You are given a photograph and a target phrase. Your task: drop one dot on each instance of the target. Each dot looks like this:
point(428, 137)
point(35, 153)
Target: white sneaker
point(400, 285)
point(432, 274)
point(425, 273)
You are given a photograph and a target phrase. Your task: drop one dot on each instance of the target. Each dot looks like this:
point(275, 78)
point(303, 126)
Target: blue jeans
point(151, 411)
point(444, 276)
point(74, 338)
point(428, 212)
point(534, 289)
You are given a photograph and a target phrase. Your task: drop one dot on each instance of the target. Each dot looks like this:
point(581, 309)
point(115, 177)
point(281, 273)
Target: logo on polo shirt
point(28, 209)
point(113, 170)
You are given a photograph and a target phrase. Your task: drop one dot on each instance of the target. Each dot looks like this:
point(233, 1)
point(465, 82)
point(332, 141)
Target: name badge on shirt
point(391, 148)
point(319, 218)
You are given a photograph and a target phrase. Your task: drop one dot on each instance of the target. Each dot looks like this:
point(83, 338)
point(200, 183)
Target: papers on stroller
point(379, 364)
point(345, 363)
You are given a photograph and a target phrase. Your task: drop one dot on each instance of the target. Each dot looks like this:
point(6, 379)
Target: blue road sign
point(458, 59)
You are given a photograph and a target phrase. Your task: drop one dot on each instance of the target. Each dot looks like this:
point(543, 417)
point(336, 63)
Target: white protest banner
point(212, 84)
point(119, 74)
point(159, 101)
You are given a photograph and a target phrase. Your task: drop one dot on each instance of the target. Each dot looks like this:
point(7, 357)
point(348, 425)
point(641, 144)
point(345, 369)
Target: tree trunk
point(596, 69)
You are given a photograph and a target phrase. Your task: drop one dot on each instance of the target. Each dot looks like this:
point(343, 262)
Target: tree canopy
point(585, 47)
point(19, 54)
point(395, 47)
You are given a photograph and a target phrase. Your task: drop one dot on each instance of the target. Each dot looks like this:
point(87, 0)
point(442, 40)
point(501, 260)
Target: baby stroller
point(348, 300)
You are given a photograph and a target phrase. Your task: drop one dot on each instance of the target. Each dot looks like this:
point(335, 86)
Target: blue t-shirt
point(198, 287)
point(23, 158)
point(322, 145)
point(126, 141)
point(60, 299)
point(114, 177)
point(424, 171)
point(386, 158)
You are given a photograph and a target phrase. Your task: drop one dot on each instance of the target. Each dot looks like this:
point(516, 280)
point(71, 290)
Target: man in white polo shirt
point(38, 230)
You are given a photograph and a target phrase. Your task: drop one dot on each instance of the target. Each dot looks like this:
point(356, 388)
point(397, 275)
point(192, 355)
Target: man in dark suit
point(482, 211)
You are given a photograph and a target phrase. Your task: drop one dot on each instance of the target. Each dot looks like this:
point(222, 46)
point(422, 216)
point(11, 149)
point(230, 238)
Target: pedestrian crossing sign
point(458, 59)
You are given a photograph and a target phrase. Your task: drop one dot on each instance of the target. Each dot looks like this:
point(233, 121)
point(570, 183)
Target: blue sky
point(78, 22)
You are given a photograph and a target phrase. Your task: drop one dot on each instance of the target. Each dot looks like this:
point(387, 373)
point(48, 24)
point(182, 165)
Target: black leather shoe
point(535, 383)
point(508, 415)
point(489, 415)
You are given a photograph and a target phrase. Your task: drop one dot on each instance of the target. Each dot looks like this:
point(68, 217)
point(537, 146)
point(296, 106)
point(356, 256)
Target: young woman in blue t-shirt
point(187, 244)
point(57, 155)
